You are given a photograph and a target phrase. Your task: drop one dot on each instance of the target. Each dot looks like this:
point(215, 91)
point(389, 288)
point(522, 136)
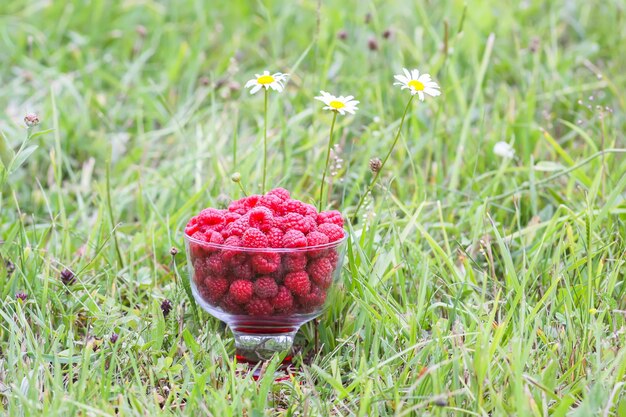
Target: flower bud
point(31, 119)
point(375, 165)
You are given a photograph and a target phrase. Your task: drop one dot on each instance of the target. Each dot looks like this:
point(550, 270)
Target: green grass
point(473, 285)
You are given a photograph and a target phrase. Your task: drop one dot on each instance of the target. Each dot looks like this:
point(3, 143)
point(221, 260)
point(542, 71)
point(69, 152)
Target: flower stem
point(330, 144)
point(382, 165)
point(264, 144)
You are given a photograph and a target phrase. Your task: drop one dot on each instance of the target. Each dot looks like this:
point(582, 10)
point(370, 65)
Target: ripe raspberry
point(298, 283)
point(279, 274)
point(262, 218)
point(313, 299)
point(215, 265)
point(294, 239)
point(321, 272)
point(192, 226)
point(272, 202)
point(275, 237)
point(241, 291)
point(280, 193)
point(254, 238)
point(259, 307)
point(293, 221)
point(293, 206)
point(230, 305)
point(265, 287)
point(230, 217)
point(215, 289)
point(201, 269)
point(237, 207)
point(283, 302)
point(309, 210)
point(333, 257)
point(228, 255)
point(251, 201)
point(295, 261)
point(197, 249)
point(213, 237)
point(332, 216)
point(238, 227)
point(265, 263)
point(316, 239)
point(211, 217)
point(333, 231)
point(242, 270)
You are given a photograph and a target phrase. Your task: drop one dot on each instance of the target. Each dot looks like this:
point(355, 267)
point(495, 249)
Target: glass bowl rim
point(304, 249)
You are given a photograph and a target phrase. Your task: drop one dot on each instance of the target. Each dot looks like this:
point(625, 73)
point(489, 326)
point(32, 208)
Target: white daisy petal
point(504, 150)
point(415, 74)
point(407, 73)
point(432, 92)
point(420, 94)
point(256, 88)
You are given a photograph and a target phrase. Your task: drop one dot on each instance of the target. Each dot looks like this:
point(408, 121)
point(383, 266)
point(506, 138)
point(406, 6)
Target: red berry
point(298, 282)
point(313, 299)
point(333, 231)
point(229, 254)
point(241, 271)
point(265, 263)
point(215, 289)
point(214, 237)
point(265, 287)
point(294, 221)
point(333, 257)
point(321, 272)
point(332, 216)
point(280, 193)
point(295, 261)
point(254, 238)
point(316, 239)
point(275, 237)
point(294, 239)
point(293, 206)
point(238, 227)
point(272, 202)
point(309, 210)
point(241, 291)
point(259, 307)
point(251, 201)
point(262, 218)
point(215, 265)
point(211, 217)
point(230, 305)
point(230, 217)
point(192, 226)
point(283, 302)
point(237, 207)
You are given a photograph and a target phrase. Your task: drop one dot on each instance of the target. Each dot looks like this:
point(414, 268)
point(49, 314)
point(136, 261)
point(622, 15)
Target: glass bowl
point(264, 295)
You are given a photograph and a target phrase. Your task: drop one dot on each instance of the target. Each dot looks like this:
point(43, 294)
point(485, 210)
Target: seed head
point(31, 119)
point(114, 337)
point(67, 277)
point(236, 177)
point(173, 251)
point(9, 266)
point(166, 307)
point(375, 165)
point(387, 33)
point(342, 35)
point(21, 296)
point(372, 44)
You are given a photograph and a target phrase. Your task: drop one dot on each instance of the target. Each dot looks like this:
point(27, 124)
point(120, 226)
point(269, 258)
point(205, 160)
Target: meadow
point(475, 284)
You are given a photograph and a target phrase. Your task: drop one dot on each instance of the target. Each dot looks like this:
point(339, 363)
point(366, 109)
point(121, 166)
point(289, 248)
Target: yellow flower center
point(265, 79)
point(336, 104)
point(418, 86)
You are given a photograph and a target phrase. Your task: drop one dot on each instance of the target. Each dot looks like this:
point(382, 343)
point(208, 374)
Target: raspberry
point(229, 254)
point(242, 270)
point(309, 210)
point(215, 289)
point(259, 307)
point(237, 207)
point(294, 221)
point(265, 287)
point(211, 217)
point(251, 201)
point(230, 217)
point(313, 299)
point(279, 274)
point(265, 263)
point(197, 249)
point(241, 291)
point(262, 218)
point(294, 239)
point(192, 226)
point(254, 238)
point(201, 268)
point(293, 206)
point(213, 237)
point(230, 305)
point(295, 262)
point(238, 227)
point(283, 302)
point(333, 231)
point(275, 237)
point(214, 264)
point(321, 272)
point(316, 239)
point(333, 258)
point(332, 216)
point(272, 202)
point(280, 193)
point(298, 283)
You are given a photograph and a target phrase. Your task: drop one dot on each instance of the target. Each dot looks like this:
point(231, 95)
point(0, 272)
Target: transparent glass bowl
point(265, 322)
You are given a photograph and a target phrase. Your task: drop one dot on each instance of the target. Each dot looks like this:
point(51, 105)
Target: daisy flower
point(504, 150)
point(418, 84)
point(274, 81)
point(339, 104)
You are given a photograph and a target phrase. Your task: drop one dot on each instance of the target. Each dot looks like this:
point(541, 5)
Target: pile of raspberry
point(257, 283)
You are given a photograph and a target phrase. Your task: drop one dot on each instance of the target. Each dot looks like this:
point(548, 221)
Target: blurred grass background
point(475, 285)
